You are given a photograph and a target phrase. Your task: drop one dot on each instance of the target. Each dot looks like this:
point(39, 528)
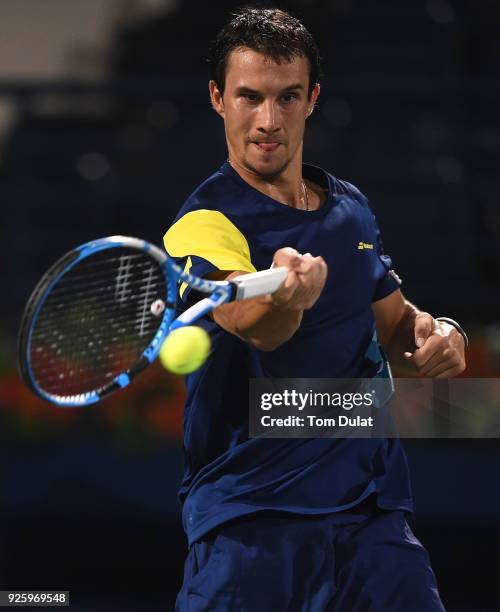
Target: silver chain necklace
point(305, 197)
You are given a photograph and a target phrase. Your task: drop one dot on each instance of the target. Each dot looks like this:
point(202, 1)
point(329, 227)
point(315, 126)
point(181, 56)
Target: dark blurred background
point(105, 128)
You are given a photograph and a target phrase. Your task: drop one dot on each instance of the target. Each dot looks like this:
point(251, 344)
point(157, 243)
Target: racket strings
point(96, 322)
point(87, 368)
point(100, 278)
point(100, 308)
point(117, 323)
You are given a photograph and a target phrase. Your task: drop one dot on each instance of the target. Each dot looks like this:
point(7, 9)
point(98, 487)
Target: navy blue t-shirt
point(228, 225)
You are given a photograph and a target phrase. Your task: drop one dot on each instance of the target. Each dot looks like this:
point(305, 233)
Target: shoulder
point(215, 194)
point(355, 203)
point(341, 187)
point(338, 188)
point(209, 226)
point(222, 209)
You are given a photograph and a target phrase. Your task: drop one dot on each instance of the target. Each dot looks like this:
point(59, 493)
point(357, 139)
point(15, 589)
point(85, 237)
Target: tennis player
point(294, 524)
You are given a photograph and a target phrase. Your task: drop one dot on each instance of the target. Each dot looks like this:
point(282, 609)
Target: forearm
point(259, 322)
point(267, 322)
point(402, 340)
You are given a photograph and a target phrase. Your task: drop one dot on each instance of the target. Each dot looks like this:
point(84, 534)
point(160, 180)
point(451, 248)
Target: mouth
point(267, 147)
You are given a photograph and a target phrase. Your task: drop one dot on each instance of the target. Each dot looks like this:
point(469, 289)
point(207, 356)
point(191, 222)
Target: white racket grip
point(259, 283)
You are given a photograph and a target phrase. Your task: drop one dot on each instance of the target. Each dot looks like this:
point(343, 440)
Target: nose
point(268, 117)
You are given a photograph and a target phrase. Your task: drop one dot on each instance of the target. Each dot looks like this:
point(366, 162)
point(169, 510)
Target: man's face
point(264, 107)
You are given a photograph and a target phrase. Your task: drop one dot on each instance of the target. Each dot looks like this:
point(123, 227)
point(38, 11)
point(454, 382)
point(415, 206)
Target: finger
point(288, 251)
point(305, 265)
point(423, 328)
point(296, 263)
point(316, 265)
point(451, 372)
point(310, 290)
point(287, 257)
point(424, 361)
point(436, 359)
point(440, 368)
point(411, 360)
point(284, 294)
point(322, 266)
point(291, 281)
point(432, 347)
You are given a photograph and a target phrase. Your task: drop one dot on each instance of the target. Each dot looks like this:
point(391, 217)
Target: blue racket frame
point(221, 292)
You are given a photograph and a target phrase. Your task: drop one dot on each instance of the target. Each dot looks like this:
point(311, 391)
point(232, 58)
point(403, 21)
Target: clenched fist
point(305, 281)
point(440, 348)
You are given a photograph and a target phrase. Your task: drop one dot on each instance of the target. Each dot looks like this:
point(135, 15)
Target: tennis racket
point(101, 313)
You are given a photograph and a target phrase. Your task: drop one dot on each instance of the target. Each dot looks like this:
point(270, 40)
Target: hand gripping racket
point(101, 313)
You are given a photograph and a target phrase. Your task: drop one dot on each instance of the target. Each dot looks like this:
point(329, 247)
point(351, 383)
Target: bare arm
point(269, 321)
point(415, 343)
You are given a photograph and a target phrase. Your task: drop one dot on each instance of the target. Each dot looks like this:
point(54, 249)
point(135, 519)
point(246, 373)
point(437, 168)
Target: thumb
point(287, 257)
point(424, 324)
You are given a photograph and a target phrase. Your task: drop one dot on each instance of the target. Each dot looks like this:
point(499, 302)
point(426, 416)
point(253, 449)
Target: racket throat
point(201, 308)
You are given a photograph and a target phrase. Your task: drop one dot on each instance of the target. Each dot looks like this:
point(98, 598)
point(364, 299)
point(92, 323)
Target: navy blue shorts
point(365, 560)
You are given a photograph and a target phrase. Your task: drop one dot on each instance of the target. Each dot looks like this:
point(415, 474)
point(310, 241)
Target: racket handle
point(259, 283)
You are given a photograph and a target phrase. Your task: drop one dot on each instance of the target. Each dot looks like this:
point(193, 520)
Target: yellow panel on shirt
point(210, 235)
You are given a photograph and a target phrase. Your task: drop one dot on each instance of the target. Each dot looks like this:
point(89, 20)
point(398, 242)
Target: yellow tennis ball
point(185, 349)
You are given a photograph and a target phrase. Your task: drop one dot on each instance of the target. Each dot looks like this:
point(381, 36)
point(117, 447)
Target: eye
point(249, 97)
point(289, 97)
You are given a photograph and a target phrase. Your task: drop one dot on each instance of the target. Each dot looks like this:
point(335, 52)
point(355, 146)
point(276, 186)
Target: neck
point(286, 187)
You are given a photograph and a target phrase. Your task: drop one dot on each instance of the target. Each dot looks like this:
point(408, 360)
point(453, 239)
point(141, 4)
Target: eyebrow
point(245, 89)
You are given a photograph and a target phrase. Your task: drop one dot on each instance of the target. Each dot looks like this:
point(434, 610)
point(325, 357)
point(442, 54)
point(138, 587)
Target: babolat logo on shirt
point(364, 245)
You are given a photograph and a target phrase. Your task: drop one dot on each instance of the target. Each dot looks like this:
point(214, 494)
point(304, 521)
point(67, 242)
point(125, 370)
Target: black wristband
point(456, 326)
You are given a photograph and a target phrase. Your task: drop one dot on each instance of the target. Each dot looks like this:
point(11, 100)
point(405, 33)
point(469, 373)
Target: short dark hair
point(270, 31)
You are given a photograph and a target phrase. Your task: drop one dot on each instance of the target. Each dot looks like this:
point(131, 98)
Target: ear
point(216, 98)
point(313, 98)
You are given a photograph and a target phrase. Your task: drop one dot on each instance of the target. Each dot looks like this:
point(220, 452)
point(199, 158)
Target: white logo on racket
point(123, 279)
point(145, 309)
